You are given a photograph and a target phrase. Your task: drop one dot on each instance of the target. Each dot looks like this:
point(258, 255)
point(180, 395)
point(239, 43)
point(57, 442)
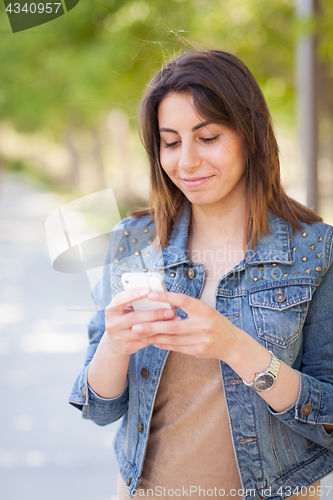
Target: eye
point(208, 140)
point(171, 144)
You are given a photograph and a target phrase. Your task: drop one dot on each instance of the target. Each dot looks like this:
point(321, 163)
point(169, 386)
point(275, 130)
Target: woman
point(238, 399)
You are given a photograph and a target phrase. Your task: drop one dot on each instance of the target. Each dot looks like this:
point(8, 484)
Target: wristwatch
point(265, 380)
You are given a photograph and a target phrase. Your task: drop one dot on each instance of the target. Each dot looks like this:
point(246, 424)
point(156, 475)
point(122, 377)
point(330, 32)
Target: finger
point(144, 317)
point(197, 349)
point(173, 340)
point(184, 302)
point(173, 327)
point(126, 340)
point(126, 321)
point(122, 299)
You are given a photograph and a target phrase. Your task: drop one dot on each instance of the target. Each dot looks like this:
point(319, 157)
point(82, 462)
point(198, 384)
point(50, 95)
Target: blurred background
point(69, 92)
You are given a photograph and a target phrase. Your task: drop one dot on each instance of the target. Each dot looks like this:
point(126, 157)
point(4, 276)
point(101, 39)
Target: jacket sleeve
point(102, 411)
point(314, 405)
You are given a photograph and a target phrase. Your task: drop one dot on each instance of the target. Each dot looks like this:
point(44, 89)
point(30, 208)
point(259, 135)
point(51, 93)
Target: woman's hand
point(120, 317)
point(107, 373)
point(206, 332)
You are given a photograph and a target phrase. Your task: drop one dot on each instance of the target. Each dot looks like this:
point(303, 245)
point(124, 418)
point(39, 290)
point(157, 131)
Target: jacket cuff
point(85, 399)
point(307, 406)
point(96, 400)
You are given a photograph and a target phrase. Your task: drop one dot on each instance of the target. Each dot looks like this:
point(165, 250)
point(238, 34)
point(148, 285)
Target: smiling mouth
point(196, 181)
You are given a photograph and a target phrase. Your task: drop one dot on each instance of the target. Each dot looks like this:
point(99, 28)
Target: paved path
point(47, 452)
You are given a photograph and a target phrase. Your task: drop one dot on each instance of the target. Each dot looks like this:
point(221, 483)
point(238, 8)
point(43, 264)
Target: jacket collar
point(273, 247)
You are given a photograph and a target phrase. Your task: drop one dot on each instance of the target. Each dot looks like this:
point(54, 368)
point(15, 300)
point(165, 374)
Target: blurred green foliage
point(70, 72)
point(35, 175)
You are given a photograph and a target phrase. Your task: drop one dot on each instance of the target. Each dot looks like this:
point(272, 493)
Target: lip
point(196, 181)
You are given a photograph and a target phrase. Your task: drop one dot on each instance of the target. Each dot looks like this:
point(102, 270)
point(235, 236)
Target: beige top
point(190, 444)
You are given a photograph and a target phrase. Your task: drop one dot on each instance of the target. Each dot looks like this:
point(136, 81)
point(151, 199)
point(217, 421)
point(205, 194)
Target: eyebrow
point(200, 125)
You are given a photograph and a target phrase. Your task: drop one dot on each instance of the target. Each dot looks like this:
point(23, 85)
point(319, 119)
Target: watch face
point(264, 382)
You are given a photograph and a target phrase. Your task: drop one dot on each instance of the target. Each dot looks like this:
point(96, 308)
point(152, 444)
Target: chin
point(199, 200)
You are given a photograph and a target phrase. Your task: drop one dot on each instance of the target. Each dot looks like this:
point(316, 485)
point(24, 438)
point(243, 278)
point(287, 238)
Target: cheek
point(238, 157)
point(166, 163)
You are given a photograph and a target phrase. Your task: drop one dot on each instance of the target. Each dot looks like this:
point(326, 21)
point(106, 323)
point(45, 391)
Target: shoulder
point(315, 235)
point(314, 242)
point(309, 250)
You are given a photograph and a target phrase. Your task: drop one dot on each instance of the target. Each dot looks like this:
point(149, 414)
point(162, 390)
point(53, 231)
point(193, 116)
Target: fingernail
point(153, 295)
point(144, 291)
point(137, 328)
point(168, 313)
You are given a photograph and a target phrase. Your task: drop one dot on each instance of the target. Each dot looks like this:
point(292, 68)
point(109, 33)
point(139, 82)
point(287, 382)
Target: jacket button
point(126, 233)
point(255, 278)
point(306, 409)
point(128, 481)
point(83, 392)
point(304, 234)
point(172, 275)
point(190, 274)
point(139, 427)
point(280, 296)
point(144, 372)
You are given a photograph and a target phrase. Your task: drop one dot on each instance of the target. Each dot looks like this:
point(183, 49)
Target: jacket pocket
point(279, 312)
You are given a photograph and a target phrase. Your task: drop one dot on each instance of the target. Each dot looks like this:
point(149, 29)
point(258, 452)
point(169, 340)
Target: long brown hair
point(224, 91)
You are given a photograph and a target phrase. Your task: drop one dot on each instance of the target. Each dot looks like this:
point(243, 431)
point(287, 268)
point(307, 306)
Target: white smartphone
point(153, 281)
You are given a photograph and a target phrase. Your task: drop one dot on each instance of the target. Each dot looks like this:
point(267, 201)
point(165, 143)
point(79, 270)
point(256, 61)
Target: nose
point(189, 157)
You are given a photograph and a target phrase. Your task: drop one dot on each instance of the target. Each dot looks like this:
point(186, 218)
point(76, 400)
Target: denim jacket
point(282, 295)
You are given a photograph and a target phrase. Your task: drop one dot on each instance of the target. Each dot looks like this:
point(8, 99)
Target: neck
point(216, 225)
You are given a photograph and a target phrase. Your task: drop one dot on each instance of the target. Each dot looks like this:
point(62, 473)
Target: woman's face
point(205, 160)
